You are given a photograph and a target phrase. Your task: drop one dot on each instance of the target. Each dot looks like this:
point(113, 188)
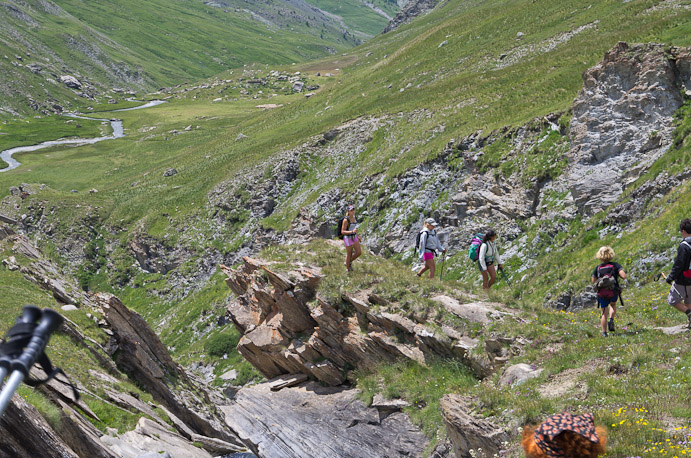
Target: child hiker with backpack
point(428, 244)
point(606, 280)
point(351, 241)
point(680, 276)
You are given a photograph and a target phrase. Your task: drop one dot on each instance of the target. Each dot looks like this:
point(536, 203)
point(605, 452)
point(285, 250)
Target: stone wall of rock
point(139, 352)
point(288, 329)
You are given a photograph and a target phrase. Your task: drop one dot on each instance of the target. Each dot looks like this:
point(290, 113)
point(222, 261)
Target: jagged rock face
point(139, 352)
point(622, 119)
point(471, 437)
point(320, 422)
point(288, 329)
point(411, 10)
point(25, 434)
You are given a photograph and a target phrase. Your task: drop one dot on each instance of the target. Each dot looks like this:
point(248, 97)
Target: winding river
point(116, 125)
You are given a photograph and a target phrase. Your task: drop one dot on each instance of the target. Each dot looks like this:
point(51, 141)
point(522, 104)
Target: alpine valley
point(186, 229)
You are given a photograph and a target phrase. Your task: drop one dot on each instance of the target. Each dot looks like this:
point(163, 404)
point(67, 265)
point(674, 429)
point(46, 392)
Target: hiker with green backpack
point(427, 245)
point(606, 280)
point(483, 250)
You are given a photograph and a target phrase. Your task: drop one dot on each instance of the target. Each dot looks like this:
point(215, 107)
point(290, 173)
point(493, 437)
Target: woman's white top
point(488, 253)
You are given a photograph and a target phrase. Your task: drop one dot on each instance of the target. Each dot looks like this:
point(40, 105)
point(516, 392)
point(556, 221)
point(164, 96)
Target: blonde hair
point(605, 254)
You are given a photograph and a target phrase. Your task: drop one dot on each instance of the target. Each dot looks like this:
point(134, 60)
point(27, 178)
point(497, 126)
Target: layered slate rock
point(138, 351)
point(288, 329)
point(21, 421)
point(622, 119)
point(320, 422)
point(470, 436)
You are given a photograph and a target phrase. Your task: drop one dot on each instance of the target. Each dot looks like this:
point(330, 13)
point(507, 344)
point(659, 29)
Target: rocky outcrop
point(471, 437)
point(622, 119)
point(138, 351)
point(288, 329)
point(410, 11)
point(150, 436)
point(21, 421)
point(320, 422)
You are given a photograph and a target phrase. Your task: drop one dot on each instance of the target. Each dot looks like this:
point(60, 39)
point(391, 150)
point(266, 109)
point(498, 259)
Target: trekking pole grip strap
point(50, 321)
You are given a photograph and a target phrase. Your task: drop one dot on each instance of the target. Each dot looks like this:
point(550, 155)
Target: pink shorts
point(349, 240)
point(427, 256)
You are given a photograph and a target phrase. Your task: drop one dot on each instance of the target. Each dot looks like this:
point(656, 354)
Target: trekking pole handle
point(50, 321)
point(30, 314)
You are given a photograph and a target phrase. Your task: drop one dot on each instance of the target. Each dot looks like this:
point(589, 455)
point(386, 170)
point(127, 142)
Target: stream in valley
point(115, 124)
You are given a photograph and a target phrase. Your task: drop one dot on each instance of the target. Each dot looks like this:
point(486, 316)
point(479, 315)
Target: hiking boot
point(688, 315)
point(610, 325)
point(604, 334)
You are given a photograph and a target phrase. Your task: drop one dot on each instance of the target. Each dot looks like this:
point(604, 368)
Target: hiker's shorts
point(428, 255)
point(679, 293)
point(349, 240)
point(604, 302)
point(487, 263)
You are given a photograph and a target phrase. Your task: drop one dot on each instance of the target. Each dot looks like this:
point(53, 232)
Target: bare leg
point(349, 257)
point(357, 251)
point(492, 276)
point(603, 318)
point(431, 266)
point(485, 279)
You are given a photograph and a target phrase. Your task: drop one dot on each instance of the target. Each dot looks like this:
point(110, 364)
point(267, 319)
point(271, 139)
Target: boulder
point(71, 82)
point(518, 374)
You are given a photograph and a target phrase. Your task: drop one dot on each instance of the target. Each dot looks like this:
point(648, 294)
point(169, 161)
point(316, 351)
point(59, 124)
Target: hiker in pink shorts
point(429, 244)
point(350, 239)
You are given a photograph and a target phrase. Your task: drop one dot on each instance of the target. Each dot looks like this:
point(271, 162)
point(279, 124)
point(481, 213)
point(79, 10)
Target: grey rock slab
point(477, 312)
point(674, 330)
point(149, 437)
point(518, 373)
point(319, 422)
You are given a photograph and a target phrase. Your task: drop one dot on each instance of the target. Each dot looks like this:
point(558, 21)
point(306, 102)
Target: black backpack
point(339, 226)
point(606, 284)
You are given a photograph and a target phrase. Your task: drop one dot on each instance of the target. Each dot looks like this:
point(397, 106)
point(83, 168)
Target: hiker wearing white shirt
point(487, 258)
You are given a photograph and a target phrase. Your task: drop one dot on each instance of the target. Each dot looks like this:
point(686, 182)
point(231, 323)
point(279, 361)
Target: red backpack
point(606, 284)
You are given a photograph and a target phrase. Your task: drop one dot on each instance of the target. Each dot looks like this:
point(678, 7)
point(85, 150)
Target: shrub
point(221, 344)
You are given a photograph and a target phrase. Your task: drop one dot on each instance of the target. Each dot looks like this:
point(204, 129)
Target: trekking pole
point(50, 320)
point(662, 274)
point(443, 261)
point(23, 326)
point(503, 274)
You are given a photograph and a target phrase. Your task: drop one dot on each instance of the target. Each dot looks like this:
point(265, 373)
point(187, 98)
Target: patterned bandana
point(583, 425)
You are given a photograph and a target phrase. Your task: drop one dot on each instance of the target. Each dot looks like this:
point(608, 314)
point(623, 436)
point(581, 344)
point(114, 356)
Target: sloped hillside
point(516, 115)
point(140, 46)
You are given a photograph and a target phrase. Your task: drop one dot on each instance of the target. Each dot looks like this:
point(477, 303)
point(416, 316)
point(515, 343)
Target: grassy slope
point(450, 75)
point(145, 45)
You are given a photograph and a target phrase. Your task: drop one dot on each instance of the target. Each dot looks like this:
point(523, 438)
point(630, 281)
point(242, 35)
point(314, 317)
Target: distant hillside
point(140, 46)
